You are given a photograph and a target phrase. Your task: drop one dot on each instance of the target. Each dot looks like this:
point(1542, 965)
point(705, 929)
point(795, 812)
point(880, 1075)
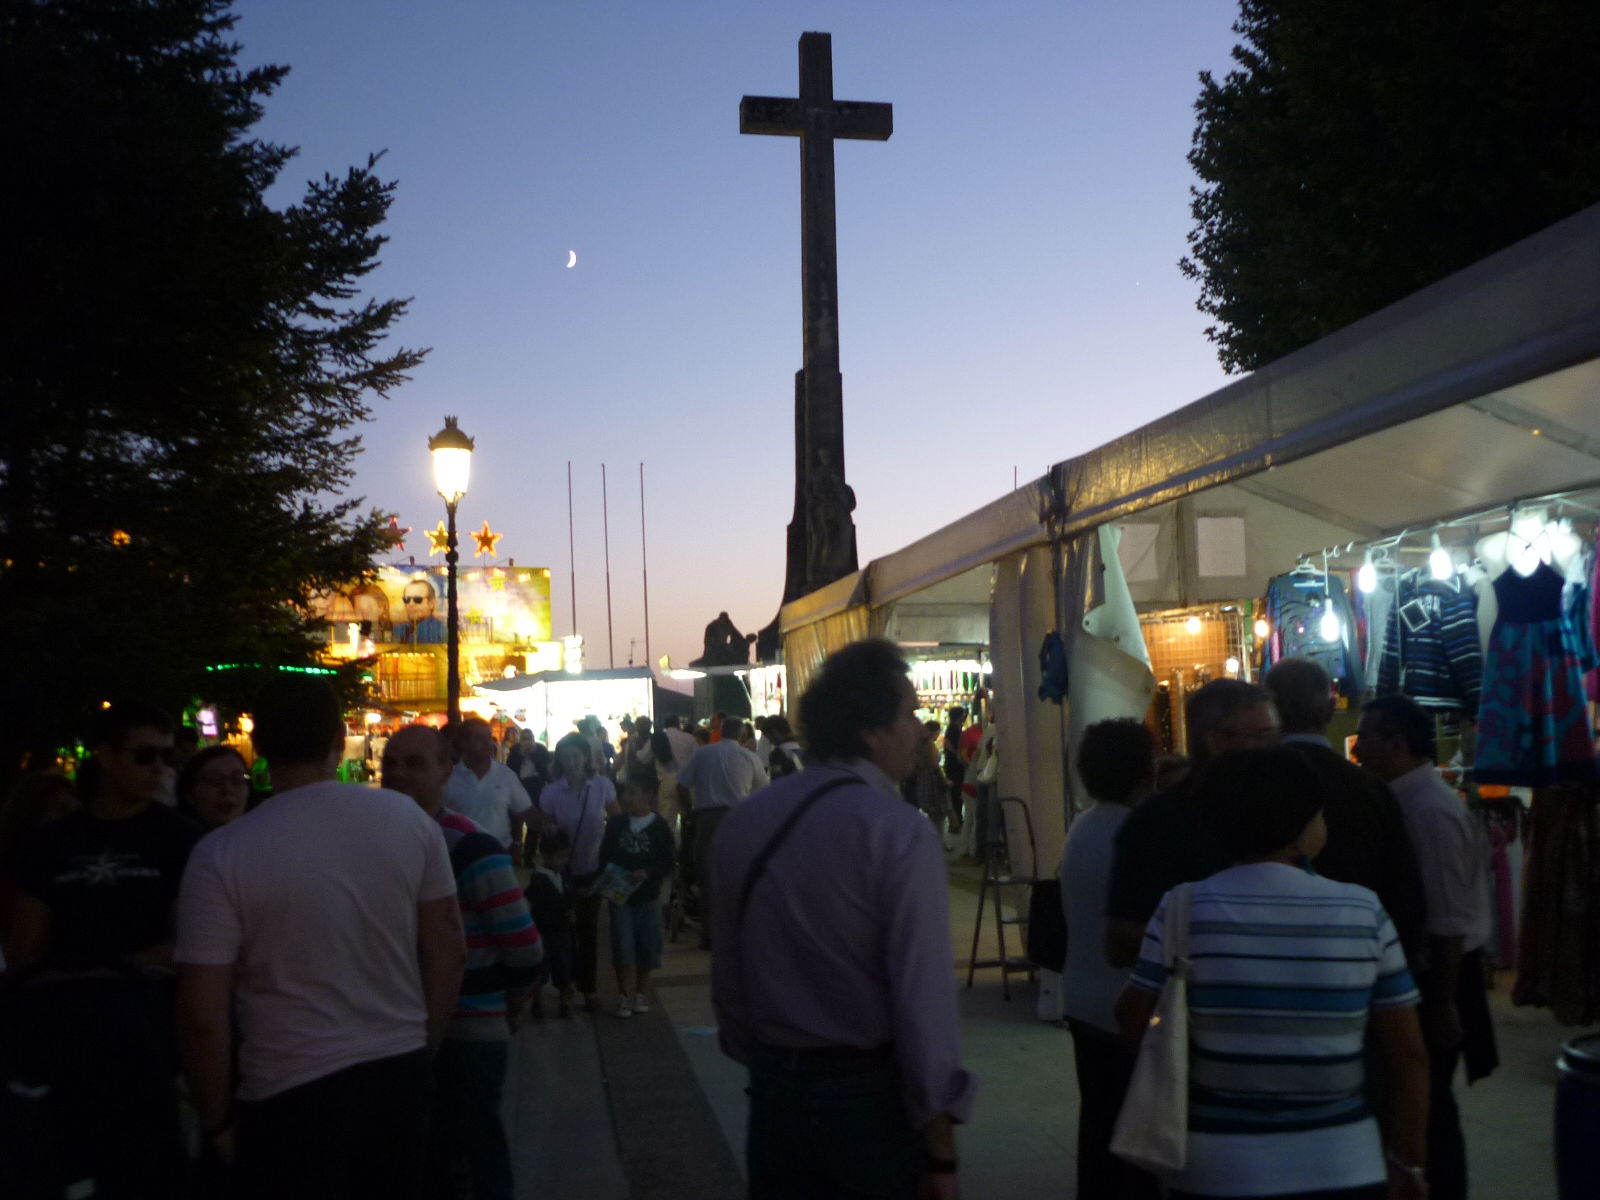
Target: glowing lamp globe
point(452, 461)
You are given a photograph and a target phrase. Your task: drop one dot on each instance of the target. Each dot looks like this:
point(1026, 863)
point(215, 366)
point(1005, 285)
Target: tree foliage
point(1362, 149)
point(182, 366)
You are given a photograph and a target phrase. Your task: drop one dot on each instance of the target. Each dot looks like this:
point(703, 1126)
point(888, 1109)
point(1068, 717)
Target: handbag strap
point(1175, 927)
point(758, 865)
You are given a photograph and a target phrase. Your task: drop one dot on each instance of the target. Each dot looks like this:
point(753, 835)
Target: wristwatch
point(1417, 1175)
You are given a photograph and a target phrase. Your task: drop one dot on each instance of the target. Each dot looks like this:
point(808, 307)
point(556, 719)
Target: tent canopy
point(1479, 390)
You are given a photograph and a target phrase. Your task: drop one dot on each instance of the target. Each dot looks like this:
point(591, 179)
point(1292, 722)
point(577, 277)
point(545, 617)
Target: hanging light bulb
point(1367, 576)
point(1440, 564)
point(1231, 667)
point(1262, 629)
point(1329, 626)
point(1192, 624)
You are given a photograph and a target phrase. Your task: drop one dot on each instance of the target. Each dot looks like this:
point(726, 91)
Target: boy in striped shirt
point(503, 954)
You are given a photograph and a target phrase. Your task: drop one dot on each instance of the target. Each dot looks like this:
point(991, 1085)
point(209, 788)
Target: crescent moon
point(572, 258)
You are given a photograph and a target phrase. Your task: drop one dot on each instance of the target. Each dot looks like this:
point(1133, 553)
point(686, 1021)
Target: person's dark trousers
point(1447, 1148)
point(822, 1130)
point(705, 830)
point(1104, 1066)
point(89, 1070)
point(586, 941)
point(357, 1134)
point(469, 1077)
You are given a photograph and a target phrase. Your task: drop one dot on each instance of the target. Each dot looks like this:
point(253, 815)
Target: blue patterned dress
point(1533, 717)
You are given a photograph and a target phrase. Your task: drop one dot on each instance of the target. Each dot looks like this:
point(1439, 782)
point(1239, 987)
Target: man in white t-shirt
point(325, 922)
point(719, 775)
point(683, 744)
point(485, 790)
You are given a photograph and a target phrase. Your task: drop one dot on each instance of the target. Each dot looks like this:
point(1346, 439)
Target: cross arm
point(786, 117)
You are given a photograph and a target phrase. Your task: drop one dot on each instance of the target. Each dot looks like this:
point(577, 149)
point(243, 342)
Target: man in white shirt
point(683, 744)
point(324, 926)
point(1395, 742)
point(485, 790)
point(719, 776)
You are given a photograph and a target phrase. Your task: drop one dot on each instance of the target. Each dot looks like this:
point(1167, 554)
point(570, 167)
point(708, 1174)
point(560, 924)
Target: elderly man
point(832, 976)
point(1395, 741)
point(719, 776)
point(325, 924)
point(485, 790)
point(502, 959)
point(1163, 842)
point(1367, 839)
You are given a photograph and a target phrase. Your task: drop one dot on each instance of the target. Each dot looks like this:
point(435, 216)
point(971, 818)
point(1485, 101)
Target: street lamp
point(452, 467)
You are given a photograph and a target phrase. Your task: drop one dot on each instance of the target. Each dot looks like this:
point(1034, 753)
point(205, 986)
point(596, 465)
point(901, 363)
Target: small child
point(640, 842)
point(550, 905)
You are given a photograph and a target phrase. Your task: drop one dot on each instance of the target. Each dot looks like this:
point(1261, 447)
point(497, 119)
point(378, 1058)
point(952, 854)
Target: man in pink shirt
point(325, 921)
point(832, 976)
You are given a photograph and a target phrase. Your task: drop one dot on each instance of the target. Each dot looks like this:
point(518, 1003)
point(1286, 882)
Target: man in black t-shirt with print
point(89, 1033)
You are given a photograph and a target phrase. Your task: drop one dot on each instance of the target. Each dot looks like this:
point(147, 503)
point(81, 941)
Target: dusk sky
point(1009, 289)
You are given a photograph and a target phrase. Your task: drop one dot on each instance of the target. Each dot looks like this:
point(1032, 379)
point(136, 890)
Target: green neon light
point(262, 666)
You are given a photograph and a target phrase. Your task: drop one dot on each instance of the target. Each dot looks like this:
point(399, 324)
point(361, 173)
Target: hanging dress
point(1533, 717)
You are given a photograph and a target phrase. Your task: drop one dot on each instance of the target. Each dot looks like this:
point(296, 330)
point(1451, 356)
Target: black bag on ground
point(1047, 926)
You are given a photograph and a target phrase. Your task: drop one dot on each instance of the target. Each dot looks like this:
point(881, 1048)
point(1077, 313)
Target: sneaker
point(641, 1003)
point(624, 1007)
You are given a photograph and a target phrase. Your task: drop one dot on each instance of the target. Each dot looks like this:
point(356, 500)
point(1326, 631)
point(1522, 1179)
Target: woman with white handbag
point(1251, 1084)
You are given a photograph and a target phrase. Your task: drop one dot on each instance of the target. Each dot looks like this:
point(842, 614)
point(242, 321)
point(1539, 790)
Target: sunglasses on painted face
point(143, 756)
point(415, 599)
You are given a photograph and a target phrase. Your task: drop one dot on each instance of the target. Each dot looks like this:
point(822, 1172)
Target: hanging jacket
point(1295, 605)
point(1431, 651)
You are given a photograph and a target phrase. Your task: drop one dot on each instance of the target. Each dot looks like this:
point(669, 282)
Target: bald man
point(503, 956)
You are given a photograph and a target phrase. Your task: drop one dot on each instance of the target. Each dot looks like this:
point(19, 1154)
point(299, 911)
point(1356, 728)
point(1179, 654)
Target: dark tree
point(182, 366)
point(1363, 149)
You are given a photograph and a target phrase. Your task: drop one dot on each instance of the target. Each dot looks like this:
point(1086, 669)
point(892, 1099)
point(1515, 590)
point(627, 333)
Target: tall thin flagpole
point(572, 560)
point(605, 525)
point(644, 559)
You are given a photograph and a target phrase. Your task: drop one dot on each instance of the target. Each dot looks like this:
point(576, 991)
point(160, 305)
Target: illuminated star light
point(438, 539)
point(394, 534)
point(486, 540)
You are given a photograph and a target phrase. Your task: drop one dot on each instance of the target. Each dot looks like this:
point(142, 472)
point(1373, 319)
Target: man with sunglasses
point(419, 598)
point(93, 927)
point(98, 887)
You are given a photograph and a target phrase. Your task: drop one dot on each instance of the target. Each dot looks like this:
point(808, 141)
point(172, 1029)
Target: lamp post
point(452, 467)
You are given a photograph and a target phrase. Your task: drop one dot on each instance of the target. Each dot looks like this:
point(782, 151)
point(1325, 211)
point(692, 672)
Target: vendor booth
point(552, 702)
point(1440, 439)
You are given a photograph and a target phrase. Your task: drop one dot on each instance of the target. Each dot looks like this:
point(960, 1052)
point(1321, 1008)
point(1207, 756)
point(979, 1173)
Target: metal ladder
point(997, 875)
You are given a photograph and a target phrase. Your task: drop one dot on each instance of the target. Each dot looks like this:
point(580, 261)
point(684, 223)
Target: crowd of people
point(1336, 922)
point(208, 993)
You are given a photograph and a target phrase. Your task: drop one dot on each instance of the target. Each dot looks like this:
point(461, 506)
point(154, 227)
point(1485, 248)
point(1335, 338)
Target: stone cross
point(822, 539)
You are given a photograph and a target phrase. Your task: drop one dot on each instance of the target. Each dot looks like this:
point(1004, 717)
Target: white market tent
point(1469, 395)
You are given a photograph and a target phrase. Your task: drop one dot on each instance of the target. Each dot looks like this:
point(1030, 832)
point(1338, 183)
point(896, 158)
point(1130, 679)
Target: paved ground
point(649, 1109)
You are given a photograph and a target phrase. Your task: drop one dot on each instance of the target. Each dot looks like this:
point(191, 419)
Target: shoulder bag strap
point(583, 815)
point(758, 865)
point(1175, 931)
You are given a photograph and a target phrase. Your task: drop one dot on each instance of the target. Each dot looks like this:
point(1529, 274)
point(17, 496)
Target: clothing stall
point(1455, 413)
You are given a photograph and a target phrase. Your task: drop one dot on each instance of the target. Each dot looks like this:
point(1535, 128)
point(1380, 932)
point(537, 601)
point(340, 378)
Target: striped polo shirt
point(503, 946)
point(1285, 966)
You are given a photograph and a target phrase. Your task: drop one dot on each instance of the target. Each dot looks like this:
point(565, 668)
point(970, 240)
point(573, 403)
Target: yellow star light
point(486, 540)
point(438, 540)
